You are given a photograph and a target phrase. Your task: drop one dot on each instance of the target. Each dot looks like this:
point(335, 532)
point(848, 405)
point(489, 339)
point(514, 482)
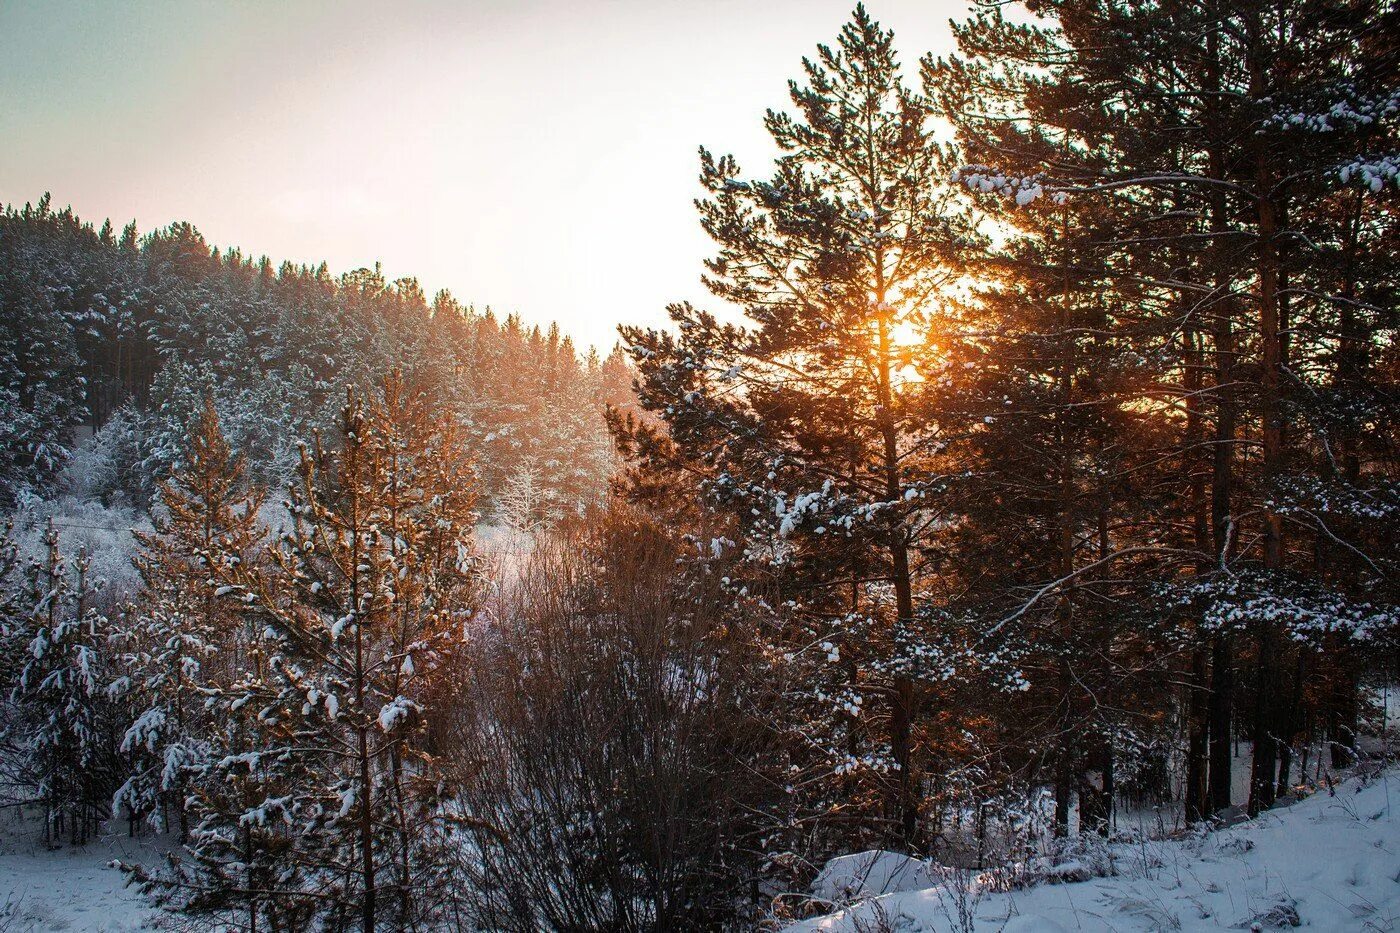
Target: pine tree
point(1234, 130)
point(185, 641)
point(41, 384)
point(1061, 375)
point(361, 607)
point(808, 426)
point(64, 697)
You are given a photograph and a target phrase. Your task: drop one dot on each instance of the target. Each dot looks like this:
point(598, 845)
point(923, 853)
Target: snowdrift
point(1328, 862)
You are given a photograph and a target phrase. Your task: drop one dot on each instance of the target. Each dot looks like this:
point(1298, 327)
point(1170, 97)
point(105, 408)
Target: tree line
point(112, 341)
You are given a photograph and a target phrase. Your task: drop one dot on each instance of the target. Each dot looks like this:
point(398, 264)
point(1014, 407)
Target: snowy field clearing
point(1326, 862)
point(70, 888)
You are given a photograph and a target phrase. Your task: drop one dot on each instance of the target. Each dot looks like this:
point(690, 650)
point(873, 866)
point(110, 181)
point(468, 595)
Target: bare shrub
point(603, 755)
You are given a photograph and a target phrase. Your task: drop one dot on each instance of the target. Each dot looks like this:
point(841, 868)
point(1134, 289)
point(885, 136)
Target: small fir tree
point(324, 800)
point(65, 696)
point(185, 641)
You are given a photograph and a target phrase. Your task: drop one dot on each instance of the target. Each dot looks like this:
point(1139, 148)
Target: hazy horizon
point(539, 158)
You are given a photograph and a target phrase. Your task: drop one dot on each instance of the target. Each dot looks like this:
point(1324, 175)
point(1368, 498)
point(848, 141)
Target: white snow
point(871, 873)
point(1328, 862)
point(395, 711)
point(71, 888)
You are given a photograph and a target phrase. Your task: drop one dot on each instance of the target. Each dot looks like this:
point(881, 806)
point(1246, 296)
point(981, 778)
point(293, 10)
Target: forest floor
point(70, 888)
point(1330, 861)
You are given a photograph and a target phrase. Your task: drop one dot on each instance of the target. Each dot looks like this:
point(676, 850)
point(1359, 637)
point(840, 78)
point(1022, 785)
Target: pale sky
point(537, 157)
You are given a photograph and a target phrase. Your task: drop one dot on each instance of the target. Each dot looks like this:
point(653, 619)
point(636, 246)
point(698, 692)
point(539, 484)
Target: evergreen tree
point(324, 799)
point(809, 426)
point(185, 642)
point(41, 383)
point(1218, 169)
point(65, 696)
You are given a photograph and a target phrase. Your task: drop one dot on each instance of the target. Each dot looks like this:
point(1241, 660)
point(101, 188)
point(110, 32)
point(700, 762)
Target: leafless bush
point(959, 896)
point(601, 750)
point(878, 921)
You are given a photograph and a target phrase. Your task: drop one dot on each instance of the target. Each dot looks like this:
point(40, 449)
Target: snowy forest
point(1020, 520)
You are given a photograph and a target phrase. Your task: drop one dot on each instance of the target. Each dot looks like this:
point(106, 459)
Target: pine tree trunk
point(1065, 765)
point(362, 728)
point(1197, 796)
point(1064, 553)
point(1221, 705)
point(405, 842)
point(901, 718)
point(903, 713)
point(1262, 780)
point(1342, 734)
point(1096, 802)
point(1064, 770)
point(366, 828)
point(1352, 363)
point(1292, 726)
point(1197, 787)
point(251, 880)
point(1109, 785)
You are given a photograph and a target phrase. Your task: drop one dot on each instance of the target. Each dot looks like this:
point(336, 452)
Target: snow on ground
point(874, 872)
point(1326, 862)
point(70, 888)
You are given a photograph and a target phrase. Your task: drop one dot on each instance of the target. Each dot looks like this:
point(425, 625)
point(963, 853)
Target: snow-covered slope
point(1327, 862)
point(70, 888)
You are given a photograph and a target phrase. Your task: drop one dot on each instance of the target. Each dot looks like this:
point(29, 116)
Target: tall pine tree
point(808, 424)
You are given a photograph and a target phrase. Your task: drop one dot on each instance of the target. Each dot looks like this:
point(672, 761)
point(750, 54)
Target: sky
point(536, 157)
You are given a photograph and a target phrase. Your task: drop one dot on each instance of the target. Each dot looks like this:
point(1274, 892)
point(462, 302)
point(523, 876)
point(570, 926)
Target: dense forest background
point(112, 341)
